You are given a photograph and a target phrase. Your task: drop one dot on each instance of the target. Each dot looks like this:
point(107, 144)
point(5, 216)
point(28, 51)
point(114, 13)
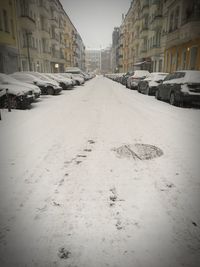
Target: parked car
point(78, 78)
point(65, 83)
point(46, 86)
point(125, 77)
point(148, 85)
point(69, 76)
point(138, 75)
point(180, 88)
point(18, 95)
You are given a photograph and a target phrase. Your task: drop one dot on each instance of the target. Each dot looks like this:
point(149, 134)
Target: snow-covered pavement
point(75, 190)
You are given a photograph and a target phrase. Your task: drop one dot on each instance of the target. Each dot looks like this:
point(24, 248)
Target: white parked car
point(136, 77)
point(69, 76)
point(19, 95)
point(78, 78)
point(148, 85)
point(65, 83)
point(46, 86)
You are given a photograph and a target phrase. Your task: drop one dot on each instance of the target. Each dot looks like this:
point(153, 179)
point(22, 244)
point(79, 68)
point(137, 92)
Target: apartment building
point(41, 36)
point(183, 35)
point(8, 37)
point(160, 35)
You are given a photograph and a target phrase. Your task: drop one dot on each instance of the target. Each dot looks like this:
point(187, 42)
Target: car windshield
point(40, 76)
point(7, 79)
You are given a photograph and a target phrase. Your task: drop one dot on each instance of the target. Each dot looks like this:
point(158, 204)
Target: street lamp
point(57, 66)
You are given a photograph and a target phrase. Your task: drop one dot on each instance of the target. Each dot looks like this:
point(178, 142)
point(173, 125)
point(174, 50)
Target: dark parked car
point(180, 87)
point(148, 85)
point(14, 94)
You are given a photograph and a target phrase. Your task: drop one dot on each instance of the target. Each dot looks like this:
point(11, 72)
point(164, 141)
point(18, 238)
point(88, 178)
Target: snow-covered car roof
point(73, 70)
point(184, 76)
point(59, 78)
point(14, 86)
point(140, 73)
point(14, 89)
point(29, 78)
point(43, 77)
point(154, 76)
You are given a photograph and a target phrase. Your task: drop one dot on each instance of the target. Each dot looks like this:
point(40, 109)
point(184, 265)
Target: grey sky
point(96, 19)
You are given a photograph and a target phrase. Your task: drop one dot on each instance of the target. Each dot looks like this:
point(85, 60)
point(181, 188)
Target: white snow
point(64, 192)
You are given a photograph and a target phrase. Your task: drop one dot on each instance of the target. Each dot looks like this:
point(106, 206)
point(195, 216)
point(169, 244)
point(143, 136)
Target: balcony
point(144, 5)
point(27, 22)
point(157, 22)
point(189, 31)
point(144, 31)
point(173, 38)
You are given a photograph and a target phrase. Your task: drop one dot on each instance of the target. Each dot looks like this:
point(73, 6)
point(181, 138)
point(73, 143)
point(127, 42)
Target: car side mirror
point(35, 82)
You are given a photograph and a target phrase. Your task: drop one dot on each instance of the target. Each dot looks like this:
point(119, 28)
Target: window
point(1, 26)
point(5, 20)
point(171, 22)
point(184, 59)
point(12, 28)
point(176, 18)
point(160, 65)
point(193, 57)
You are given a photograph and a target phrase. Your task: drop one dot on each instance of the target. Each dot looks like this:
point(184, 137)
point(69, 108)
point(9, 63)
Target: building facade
point(8, 37)
point(183, 38)
point(93, 61)
point(115, 50)
point(160, 36)
point(40, 35)
point(106, 60)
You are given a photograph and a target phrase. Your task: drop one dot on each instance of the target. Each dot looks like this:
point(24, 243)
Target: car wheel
point(50, 90)
point(11, 102)
point(157, 95)
point(138, 89)
point(172, 99)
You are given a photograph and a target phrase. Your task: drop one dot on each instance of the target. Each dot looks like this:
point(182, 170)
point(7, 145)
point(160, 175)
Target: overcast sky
point(96, 19)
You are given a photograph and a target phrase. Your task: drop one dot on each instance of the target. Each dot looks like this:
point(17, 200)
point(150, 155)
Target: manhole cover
point(138, 151)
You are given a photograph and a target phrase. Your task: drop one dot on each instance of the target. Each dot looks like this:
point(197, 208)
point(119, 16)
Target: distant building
point(106, 60)
point(93, 60)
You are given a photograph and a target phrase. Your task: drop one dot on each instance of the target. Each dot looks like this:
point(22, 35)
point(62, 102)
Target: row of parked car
point(20, 89)
point(179, 88)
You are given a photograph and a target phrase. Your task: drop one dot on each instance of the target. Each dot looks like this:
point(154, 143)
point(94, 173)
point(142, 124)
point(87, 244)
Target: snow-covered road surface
point(73, 194)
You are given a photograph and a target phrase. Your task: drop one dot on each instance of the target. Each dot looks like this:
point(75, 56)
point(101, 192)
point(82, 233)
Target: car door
point(163, 87)
point(169, 85)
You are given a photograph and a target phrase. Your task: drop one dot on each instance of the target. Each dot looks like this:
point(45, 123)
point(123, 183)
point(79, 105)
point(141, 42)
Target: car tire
point(138, 89)
point(172, 99)
point(13, 103)
point(157, 95)
point(50, 90)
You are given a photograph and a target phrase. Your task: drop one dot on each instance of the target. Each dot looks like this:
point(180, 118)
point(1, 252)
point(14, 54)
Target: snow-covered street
point(75, 193)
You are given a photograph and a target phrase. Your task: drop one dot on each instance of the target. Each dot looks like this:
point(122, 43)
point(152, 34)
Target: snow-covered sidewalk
point(75, 189)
